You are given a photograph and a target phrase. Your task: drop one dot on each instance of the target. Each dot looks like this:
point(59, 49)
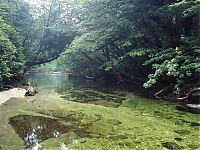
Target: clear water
point(79, 115)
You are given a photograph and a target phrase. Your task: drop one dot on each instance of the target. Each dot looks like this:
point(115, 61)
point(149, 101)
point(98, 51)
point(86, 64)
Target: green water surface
point(79, 115)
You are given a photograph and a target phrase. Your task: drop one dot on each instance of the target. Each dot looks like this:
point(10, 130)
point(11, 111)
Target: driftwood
point(190, 102)
point(189, 96)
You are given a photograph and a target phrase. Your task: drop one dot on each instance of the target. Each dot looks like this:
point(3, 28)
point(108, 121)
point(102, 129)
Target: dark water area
point(35, 129)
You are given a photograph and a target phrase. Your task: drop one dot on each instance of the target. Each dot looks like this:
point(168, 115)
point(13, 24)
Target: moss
point(194, 146)
point(101, 128)
point(118, 137)
point(113, 121)
point(94, 97)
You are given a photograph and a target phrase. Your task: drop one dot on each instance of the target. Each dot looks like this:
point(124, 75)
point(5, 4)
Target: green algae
point(92, 96)
point(136, 123)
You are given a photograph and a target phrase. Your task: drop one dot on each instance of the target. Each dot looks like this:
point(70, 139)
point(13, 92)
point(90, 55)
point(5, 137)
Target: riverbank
point(15, 92)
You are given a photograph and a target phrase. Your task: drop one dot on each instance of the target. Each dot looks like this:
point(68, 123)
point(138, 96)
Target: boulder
point(30, 91)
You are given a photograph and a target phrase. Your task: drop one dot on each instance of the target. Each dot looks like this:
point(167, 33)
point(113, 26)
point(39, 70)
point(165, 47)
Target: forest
point(144, 41)
point(99, 74)
point(148, 43)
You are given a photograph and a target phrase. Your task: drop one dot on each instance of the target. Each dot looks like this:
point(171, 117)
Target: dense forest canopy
point(128, 41)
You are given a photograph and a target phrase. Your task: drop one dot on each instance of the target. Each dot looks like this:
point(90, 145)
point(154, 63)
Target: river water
point(77, 115)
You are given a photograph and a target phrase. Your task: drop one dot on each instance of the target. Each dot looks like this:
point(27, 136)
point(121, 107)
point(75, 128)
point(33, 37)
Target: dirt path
point(15, 92)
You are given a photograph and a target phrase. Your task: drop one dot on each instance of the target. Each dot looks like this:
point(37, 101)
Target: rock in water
point(181, 107)
point(30, 91)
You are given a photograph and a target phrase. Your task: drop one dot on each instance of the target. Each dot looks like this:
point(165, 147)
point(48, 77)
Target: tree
point(137, 38)
point(51, 32)
point(11, 57)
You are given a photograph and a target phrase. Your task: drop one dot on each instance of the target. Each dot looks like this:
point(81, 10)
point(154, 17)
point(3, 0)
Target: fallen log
point(193, 108)
point(190, 102)
point(192, 96)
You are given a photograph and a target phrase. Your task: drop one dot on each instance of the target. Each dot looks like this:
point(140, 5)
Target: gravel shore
point(15, 92)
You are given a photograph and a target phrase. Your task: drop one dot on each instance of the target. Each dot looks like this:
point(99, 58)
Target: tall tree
point(11, 56)
point(52, 31)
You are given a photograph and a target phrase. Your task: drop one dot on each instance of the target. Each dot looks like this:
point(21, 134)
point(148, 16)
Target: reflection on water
point(78, 91)
point(48, 81)
point(60, 82)
point(35, 129)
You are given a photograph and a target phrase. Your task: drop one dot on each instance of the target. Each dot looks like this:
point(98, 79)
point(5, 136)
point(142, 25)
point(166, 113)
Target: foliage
point(11, 57)
point(51, 31)
point(158, 39)
point(145, 40)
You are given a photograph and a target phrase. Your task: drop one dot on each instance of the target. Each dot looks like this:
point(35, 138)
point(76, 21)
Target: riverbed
point(76, 115)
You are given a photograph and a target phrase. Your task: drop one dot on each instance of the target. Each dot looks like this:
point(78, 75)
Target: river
point(76, 115)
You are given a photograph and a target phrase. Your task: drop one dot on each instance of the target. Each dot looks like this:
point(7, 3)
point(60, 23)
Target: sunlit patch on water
point(35, 129)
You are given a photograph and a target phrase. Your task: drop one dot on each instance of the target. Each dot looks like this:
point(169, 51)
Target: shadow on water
point(35, 129)
point(94, 96)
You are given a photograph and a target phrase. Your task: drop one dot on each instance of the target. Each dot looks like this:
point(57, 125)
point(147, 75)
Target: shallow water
point(75, 115)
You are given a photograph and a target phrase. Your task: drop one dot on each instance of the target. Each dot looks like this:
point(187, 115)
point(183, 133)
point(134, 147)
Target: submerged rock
point(35, 129)
point(171, 145)
point(182, 132)
point(194, 124)
point(178, 139)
